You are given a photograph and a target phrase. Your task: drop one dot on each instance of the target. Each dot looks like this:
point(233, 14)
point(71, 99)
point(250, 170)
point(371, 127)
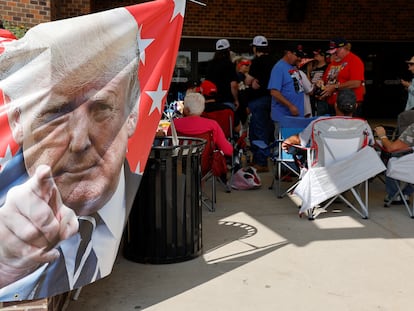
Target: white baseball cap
point(222, 44)
point(260, 41)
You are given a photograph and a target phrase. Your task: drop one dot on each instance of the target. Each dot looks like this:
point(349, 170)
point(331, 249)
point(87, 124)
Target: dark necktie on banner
point(86, 263)
point(86, 270)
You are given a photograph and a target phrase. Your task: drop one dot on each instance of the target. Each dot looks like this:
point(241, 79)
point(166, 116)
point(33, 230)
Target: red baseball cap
point(207, 88)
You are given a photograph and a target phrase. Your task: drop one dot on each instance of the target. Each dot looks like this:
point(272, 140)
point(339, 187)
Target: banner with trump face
point(80, 102)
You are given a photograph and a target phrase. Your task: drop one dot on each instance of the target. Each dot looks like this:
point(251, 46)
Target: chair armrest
point(400, 153)
point(293, 149)
point(386, 155)
point(260, 144)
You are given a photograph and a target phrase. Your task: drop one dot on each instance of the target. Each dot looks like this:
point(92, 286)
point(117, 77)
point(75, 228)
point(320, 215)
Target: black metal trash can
point(165, 222)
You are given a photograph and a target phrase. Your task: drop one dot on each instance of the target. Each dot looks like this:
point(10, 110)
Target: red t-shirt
point(349, 68)
point(197, 125)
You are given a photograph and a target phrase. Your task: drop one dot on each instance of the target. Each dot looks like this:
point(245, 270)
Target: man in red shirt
point(346, 71)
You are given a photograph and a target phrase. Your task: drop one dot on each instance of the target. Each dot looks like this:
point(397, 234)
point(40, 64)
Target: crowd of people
point(261, 89)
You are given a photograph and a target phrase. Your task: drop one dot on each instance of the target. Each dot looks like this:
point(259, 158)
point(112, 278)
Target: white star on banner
point(157, 97)
point(142, 45)
point(179, 8)
point(7, 157)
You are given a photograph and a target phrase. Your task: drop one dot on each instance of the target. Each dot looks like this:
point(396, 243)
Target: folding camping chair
point(339, 160)
point(206, 171)
point(404, 119)
point(400, 163)
point(286, 164)
point(225, 118)
point(400, 169)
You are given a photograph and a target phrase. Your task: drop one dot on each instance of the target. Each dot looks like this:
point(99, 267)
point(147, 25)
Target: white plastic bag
point(246, 178)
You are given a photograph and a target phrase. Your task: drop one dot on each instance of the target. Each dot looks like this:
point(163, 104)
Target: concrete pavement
point(259, 255)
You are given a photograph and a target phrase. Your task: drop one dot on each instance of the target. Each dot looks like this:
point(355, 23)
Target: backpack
point(245, 179)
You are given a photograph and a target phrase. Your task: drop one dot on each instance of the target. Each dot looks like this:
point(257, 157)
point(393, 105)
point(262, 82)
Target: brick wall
point(25, 13)
point(101, 5)
point(69, 8)
point(354, 19)
point(363, 20)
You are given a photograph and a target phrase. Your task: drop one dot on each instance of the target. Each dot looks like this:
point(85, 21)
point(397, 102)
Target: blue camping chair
point(286, 166)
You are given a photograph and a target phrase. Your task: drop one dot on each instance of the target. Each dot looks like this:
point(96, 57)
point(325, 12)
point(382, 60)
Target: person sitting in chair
point(403, 142)
point(336, 142)
point(194, 124)
point(345, 106)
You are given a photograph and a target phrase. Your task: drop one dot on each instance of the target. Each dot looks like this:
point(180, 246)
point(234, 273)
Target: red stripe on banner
point(7, 143)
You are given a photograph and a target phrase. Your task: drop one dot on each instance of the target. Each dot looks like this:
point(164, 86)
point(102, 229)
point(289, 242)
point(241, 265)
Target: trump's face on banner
point(82, 134)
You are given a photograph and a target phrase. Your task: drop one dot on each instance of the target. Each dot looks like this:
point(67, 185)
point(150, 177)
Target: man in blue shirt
point(285, 86)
